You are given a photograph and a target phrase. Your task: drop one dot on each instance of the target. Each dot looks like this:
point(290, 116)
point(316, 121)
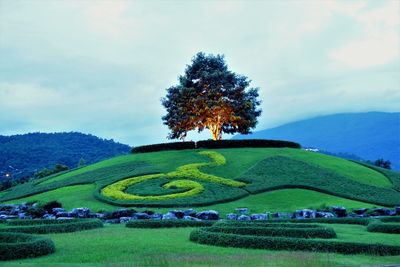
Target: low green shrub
point(203, 236)
point(384, 228)
point(167, 223)
point(344, 220)
point(246, 143)
point(65, 227)
point(390, 219)
point(18, 246)
point(289, 231)
point(18, 222)
point(164, 146)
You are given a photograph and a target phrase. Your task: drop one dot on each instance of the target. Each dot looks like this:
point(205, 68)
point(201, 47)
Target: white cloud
point(379, 42)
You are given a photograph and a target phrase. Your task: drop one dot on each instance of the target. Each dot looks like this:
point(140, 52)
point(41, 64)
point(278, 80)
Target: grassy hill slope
point(264, 179)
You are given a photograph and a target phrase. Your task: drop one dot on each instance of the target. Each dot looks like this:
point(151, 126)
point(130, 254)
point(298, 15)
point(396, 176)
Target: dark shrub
point(164, 146)
point(246, 143)
point(166, 223)
point(50, 205)
point(18, 246)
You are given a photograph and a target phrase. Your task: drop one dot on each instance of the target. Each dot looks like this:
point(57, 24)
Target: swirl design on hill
point(183, 178)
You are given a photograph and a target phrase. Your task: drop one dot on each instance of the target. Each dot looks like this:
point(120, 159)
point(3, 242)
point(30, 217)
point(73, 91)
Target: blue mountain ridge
point(369, 135)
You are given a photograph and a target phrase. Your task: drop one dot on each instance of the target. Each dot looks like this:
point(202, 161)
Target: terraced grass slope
point(261, 178)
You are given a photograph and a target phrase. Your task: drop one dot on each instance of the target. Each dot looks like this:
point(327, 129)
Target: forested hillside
point(22, 155)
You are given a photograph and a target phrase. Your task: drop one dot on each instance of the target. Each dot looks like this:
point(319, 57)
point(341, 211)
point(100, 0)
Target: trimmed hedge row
point(384, 228)
point(390, 219)
point(167, 223)
point(344, 220)
point(66, 227)
point(317, 232)
point(246, 143)
point(18, 246)
point(40, 221)
point(215, 144)
point(203, 236)
point(164, 146)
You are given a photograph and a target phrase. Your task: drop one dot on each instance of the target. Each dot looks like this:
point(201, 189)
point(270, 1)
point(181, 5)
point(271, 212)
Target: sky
point(101, 67)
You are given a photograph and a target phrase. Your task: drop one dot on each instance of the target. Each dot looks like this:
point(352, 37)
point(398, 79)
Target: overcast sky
point(101, 67)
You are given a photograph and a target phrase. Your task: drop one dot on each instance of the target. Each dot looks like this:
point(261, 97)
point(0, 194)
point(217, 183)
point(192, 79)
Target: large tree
point(210, 96)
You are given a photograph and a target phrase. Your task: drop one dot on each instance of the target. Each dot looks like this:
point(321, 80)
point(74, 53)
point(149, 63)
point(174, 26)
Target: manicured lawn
point(116, 245)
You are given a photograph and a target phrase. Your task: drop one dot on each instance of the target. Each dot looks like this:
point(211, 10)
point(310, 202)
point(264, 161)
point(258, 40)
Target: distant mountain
point(22, 155)
point(370, 135)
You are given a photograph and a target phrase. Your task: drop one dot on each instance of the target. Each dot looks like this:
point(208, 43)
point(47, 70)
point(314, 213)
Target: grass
point(171, 247)
point(344, 178)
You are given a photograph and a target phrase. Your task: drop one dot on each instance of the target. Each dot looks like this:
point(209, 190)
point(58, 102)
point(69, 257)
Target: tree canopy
point(209, 96)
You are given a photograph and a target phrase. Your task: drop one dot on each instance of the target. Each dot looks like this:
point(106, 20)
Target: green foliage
point(46, 172)
point(297, 174)
point(57, 227)
point(384, 228)
point(164, 146)
point(344, 220)
point(203, 236)
point(35, 151)
point(246, 143)
point(167, 223)
point(390, 219)
point(118, 190)
point(288, 230)
point(49, 206)
point(210, 96)
point(18, 246)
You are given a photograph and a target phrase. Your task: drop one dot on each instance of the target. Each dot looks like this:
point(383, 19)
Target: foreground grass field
point(117, 245)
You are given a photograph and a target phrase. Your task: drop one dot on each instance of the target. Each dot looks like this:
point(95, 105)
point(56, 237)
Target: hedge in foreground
point(164, 146)
point(66, 227)
point(344, 220)
point(289, 231)
point(18, 246)
point(167, 223)
point(40, 221)
point(384, 228)
point(203, 236)
point(390, 219)
point(246, 143)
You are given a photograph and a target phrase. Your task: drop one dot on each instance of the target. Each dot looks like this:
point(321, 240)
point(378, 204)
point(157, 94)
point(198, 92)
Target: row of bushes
point(384, 228)
point(342, 220)
point(215, 144)
point(203, 236)
point(390, 219)
point(167, 223)
point(17, 246)
point(287, 231)
point(164, 146)
point(65, 227)
point(18, 222)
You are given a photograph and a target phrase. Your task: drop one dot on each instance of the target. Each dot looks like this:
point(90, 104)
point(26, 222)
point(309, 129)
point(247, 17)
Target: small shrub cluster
point(167, 223)
point(18, 246)
point(164, 146)
point(246, 143)
point(63, 227)
point(384, 228)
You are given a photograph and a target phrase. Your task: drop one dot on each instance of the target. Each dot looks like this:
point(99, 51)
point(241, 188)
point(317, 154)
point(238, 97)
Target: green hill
point(264, 179)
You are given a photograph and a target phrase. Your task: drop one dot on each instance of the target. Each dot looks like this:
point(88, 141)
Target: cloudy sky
point(101, 67)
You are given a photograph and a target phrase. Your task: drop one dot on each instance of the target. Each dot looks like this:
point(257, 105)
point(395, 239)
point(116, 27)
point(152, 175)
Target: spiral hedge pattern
point(186, 178)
